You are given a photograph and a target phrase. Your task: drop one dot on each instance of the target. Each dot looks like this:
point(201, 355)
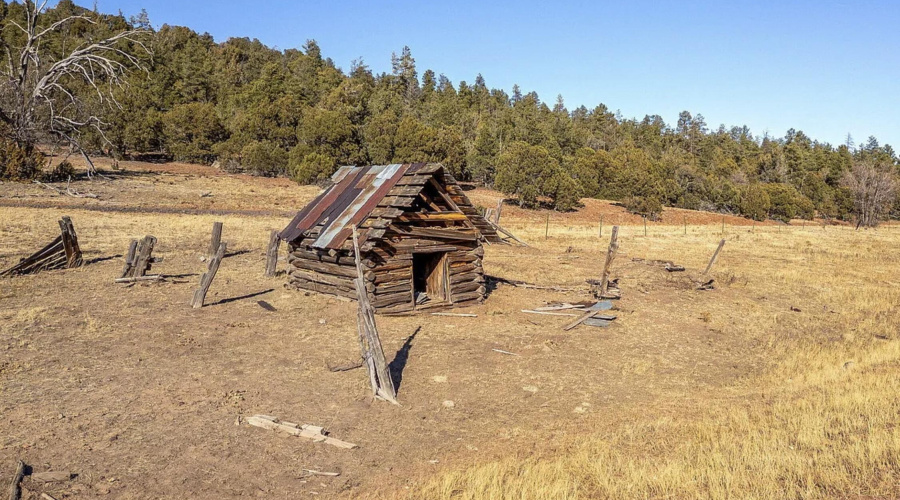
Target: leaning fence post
point(216, 239)
point(207, 278)
point(714, 257)
point(272, 254)
point(610, 255)
point(370, 344)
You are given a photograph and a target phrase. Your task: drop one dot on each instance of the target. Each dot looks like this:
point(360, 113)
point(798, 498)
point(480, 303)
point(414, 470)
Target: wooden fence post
point(129, 259)
point(498, 211)
point(610, 255)
point(601, 227)
point(70, 242)
point(207, 278)
point(142, 261)
point(370, 344)
point(547, 227)
point(714, 257)
point(685, 224)
point(216, 239)
point(645, 225)
point(272, 254)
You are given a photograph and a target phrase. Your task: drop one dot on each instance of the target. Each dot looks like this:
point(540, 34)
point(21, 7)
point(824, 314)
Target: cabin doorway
point(431, 278)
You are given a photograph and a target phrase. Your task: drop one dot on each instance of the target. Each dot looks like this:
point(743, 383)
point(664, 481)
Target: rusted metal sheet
point(372, 188)
point(319, 209)
point(357, 193)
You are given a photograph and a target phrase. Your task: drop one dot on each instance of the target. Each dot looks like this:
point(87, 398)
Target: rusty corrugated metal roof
point(356, 192)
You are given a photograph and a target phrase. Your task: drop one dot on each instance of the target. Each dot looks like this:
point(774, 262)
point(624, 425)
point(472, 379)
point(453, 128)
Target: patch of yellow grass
point(819, 422)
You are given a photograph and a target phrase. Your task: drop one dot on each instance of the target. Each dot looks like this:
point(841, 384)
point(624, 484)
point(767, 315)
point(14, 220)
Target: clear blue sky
point(824, 67)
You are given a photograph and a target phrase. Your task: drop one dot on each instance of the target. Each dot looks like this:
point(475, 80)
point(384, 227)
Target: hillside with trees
point(250, 108)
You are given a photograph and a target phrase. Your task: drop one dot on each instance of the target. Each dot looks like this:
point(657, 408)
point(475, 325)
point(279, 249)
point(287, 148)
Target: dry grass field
point(780, 383)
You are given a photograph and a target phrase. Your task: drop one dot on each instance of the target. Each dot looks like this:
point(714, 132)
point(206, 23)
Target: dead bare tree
point(874, 188)
point(39, 93)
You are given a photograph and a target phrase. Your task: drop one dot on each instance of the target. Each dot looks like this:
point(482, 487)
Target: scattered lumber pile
point(313, 432)
point(590, 312)
point(61, 253)
point(138, 261)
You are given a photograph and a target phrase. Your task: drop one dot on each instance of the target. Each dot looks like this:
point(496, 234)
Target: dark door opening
point(431, 282)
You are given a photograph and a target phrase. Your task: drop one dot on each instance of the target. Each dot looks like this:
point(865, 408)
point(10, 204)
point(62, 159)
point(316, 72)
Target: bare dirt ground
point(143, 397)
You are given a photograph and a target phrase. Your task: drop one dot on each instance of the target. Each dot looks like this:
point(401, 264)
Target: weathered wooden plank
point(142, 262)
point(433, 217)
point(215, 239)
point(464, 277)
point(129, 259)
point(386, 212)
point(464, 297)
point(370, 344)
point(272, 254)
point(70, 242)
point(445, 234)
point(715, 256)
point(604, 278)
point(393, 287)
point(404, 190)
point(390, 299)
point(324, 267)
point(470, 286)
point(207, 278)
point(313, 286)
point(397, 201)
point(413, 180)
point(322, 278)
point(465, 268)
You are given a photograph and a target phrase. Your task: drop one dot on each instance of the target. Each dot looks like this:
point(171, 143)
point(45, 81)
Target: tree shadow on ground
point(399, 363)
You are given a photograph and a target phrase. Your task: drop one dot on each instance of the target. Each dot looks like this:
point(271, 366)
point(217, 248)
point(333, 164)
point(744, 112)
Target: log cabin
point(420, 238)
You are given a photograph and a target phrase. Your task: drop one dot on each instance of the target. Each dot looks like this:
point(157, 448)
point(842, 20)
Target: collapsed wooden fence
point(61, 253)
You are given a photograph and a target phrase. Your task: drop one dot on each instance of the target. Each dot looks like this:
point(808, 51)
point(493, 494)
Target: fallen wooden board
point(548, 313)
point(313, 432)
point(456, 315)
point(51, 476)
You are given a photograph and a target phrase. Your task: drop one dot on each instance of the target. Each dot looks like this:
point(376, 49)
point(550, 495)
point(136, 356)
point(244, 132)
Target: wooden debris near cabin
point(272, 254)
point(139, 259)
point(455, 315)
point(673, 268)
point(15, 490)
point(63, 252)
point(135, 279)
point(369, 343)
point(708, 285)
point(206, 279)
point(313, 432)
